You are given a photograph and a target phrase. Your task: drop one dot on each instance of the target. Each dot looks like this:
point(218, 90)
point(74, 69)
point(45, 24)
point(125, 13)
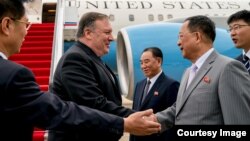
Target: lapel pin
point(156, 93)
point(206, 79)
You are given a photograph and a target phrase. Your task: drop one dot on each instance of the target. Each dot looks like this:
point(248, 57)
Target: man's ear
point(5, 25)
point(198, 36)
point(159, 60)
point(87, 33)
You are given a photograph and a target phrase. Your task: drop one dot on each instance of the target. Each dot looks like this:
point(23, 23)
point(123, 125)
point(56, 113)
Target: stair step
point(37, 44)
point(27, 57)
point(40, 33)
point(39, 38)
point(30, 50)
point(41, 71)
point(43, 24)
point(42, 80)
point(35, 64)
point(41, 27)
point(44, 87)
point(38, 135)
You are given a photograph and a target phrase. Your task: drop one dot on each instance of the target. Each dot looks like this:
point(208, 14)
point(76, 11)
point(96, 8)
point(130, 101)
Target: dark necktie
point(145, 92)
point(109, 72)
point(246, 63)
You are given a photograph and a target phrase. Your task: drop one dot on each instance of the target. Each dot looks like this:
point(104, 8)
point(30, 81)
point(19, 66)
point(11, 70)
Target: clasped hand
point(142, 123)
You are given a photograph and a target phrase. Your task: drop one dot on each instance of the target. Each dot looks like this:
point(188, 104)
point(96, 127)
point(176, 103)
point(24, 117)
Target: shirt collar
point(153, 79)
point(247, 54)
point(4, 56)
point(203, 58)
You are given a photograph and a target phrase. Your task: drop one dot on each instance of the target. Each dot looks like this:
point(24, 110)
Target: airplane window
point(170, 16)
point(160, 17)
point(111, 17)
point(131, 17)
point(151, 17)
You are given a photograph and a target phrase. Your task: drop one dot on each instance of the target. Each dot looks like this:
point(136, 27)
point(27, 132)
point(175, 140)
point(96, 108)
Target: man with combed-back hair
point(81, 76)
point(215, 90)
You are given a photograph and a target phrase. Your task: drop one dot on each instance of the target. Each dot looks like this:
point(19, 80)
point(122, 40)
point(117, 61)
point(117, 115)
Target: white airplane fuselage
point(123, 13)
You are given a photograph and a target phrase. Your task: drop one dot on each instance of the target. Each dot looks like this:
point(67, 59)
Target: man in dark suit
point(23, 105)
point(161, 94)
point(239, 27)
point(82, 77)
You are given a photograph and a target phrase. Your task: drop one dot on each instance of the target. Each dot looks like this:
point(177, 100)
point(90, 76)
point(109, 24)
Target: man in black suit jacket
point(82, 77)
point(23, 105)
point(239, 27)
point(161, 94)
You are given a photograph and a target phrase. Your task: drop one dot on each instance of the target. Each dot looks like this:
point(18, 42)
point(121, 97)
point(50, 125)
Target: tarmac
point(127, 103)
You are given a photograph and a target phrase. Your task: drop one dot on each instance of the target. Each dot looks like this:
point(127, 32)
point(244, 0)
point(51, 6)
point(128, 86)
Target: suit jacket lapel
point(239, 58)
point(153, 89)
point(182, 89)
point(197, 79)
point(110, 74)
point(98, 61)
point(140, 92)
point(106, 69)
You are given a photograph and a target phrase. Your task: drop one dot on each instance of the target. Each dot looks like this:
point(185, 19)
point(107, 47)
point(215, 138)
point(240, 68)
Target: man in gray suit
point(219, 93)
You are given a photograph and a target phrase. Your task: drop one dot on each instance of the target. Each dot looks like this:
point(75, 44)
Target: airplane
point(130, 16)
point(124, 13)
point(137, 24)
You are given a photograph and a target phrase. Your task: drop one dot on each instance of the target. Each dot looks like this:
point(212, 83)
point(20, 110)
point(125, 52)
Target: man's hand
point(137, 124)
point(151, 117)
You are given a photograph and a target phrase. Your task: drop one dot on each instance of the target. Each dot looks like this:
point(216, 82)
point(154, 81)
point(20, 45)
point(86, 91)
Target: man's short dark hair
point(155, 51)
point(240, 15)
point(12, 8)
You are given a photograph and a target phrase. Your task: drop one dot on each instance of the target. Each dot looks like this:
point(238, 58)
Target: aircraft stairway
point(36, 54)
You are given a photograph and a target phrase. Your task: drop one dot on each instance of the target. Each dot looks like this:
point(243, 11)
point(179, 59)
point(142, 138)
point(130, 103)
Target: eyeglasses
point(236, 27)
point(28, 24)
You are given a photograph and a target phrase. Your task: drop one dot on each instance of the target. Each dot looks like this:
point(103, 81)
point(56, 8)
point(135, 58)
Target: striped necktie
point(145, 92)
point(246, 63)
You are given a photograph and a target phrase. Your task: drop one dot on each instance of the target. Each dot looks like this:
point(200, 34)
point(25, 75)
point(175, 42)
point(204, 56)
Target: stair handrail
point(58, 41)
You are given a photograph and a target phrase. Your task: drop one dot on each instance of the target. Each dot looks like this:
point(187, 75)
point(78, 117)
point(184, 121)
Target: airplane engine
point(132, 40)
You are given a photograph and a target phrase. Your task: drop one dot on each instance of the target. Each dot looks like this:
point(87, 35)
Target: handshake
point(142, 123)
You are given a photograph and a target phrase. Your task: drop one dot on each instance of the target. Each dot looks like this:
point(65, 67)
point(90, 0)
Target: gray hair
point(88, 21)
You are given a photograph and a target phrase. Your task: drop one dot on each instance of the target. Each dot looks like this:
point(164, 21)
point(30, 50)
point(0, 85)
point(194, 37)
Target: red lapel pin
point(206, 79)
point(156, 93)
